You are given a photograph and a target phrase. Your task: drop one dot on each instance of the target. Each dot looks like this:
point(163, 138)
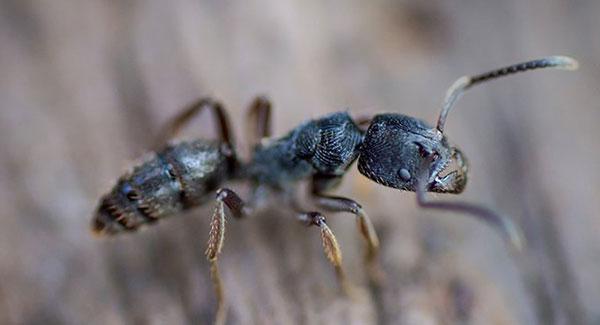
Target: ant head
point(404, 152)
point(398, 149)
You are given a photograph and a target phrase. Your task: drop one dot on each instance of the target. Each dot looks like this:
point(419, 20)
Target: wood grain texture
point(85, 85)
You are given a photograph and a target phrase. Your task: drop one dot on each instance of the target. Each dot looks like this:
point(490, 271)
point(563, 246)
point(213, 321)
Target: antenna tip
point(564, 62)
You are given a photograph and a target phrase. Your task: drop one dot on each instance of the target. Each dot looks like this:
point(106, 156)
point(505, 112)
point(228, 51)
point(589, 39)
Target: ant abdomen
point(174, 179)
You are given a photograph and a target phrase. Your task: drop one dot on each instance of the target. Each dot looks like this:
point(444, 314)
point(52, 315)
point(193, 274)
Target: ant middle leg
point(331, 248)
point(322, 183)
point(179, 121)
point(330, 244)
point(216, 237)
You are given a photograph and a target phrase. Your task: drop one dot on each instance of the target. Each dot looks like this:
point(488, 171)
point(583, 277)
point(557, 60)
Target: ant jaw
point(452, 177)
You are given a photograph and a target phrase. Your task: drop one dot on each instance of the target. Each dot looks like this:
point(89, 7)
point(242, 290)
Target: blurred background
point(85, 85)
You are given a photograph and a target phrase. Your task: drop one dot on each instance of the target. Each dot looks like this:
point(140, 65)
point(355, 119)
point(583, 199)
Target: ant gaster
point(396, 150)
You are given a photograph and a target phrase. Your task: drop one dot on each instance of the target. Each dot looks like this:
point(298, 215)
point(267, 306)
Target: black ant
point(397, 151)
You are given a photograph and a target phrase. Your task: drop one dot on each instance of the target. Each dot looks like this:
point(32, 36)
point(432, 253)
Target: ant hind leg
point(179, 121)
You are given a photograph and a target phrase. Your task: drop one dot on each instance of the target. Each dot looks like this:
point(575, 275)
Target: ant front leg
point(216, 237)
point(320, 184)
point(178, 122)
point(456, 181)
point(510, 231)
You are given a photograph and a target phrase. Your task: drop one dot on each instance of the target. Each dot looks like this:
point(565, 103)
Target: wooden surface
point(84, 86)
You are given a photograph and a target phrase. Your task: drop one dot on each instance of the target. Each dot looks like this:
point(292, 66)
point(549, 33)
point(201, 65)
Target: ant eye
point(404, 174)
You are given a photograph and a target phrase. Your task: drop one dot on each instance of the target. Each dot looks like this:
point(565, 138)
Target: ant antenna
point(466, 82)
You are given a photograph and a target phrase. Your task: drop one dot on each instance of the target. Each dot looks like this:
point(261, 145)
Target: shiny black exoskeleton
point(395, 150)
point(184, 175)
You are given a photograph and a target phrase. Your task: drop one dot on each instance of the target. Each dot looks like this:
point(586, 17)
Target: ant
point(395, 150)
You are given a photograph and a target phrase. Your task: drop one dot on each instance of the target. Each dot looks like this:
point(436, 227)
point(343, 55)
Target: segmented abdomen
point(176, 178)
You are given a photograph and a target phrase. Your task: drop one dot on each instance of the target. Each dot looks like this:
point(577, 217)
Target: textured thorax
point(327, 145)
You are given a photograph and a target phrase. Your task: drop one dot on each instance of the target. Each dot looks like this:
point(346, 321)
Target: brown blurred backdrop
point(84, 85)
